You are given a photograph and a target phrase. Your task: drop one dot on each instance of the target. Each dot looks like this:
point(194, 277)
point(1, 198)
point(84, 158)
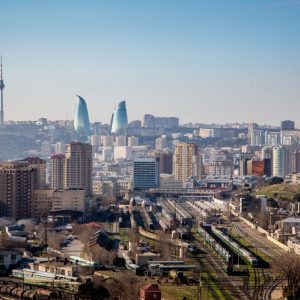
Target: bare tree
point(164, 246)
point(289, 266)
point(100, 254)
point(55, 239)
point(133, 235)
point(84, 232)
point(124, 286)
point(263, 220)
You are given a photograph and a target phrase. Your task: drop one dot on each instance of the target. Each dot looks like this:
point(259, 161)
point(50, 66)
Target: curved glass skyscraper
point(119, 120)
point(81, 118)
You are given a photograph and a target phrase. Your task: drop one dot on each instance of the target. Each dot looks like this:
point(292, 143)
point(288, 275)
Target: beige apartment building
point(187, 162)
point(71, 199)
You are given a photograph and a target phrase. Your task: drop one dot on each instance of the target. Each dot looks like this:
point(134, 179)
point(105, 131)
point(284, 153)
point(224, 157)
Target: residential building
point(150, 292)
point(41, 203)
point(17, 183)
point(78, 167)
point(187, 162)
point(40, 166)
point(71, 199)
point(57, 163)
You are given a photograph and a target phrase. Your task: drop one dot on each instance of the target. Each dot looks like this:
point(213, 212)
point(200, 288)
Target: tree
point(164, 246)
point(55, 239)
point(289, 266)
point(276, 180)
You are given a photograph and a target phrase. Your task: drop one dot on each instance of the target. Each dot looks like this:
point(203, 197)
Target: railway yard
point(233, 260)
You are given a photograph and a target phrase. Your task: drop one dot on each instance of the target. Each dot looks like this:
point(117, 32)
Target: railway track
point(269, 290)
point(229, 286)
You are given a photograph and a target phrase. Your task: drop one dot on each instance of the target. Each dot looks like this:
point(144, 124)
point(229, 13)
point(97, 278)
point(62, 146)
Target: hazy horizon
point(204, 62)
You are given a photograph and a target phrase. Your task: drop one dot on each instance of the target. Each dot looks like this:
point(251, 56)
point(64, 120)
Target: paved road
point(74, 248)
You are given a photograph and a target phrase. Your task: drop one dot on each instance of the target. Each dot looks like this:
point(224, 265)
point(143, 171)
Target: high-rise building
point(57, 164)
point(78, 167)
point(2, 86)
point(166, 162)
point(81, 118)
point(296, 161)
point(17, 184)
point(119, 120)
point(267, 157)
point(279, 161)
point(251, 128)
point(187, 161)
point(146, 173)
point(40, 166)
point(287, 125)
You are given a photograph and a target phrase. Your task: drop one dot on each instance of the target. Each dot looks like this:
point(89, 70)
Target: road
point(74, 248)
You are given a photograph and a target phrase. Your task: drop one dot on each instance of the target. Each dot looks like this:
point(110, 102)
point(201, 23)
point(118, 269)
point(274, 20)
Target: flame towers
point(81, 118)
point(119, 120)
point(1, 91)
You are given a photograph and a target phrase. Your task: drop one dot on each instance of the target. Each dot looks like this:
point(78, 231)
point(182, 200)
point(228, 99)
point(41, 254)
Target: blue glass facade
point(119, 120)
point(81, 118)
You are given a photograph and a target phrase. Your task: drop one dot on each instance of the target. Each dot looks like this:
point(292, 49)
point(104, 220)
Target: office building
point(57, 164)
point(78, 167)
point(17, 183)
point(187, 162)
point(119, 120)
point(81, 118)
point(146, 173)
point(166, 162)
point(280, 161)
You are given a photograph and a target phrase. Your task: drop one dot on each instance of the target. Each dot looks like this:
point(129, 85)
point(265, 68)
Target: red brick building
point(150, 292)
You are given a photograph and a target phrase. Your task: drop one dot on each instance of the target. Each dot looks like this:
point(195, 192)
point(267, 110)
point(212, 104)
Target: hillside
point(280, 191)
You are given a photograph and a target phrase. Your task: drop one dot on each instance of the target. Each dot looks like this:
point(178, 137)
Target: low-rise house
point(150, 292)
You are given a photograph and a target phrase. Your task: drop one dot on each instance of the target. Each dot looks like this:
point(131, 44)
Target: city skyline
point(201, 62)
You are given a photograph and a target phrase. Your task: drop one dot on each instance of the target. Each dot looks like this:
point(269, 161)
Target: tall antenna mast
point(1, 93)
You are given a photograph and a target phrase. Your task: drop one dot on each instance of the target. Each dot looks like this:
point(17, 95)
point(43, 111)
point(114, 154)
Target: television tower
point(1, 90)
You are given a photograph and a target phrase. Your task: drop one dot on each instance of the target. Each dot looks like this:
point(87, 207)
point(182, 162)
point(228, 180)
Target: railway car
point(246, 255)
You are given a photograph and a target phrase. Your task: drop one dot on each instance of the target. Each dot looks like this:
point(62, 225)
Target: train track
point(258, 242)
point(229, 286)
point(268, 291)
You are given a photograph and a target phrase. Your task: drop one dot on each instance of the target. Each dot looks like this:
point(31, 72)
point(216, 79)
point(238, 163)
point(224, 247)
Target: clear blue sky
point(203, 61)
